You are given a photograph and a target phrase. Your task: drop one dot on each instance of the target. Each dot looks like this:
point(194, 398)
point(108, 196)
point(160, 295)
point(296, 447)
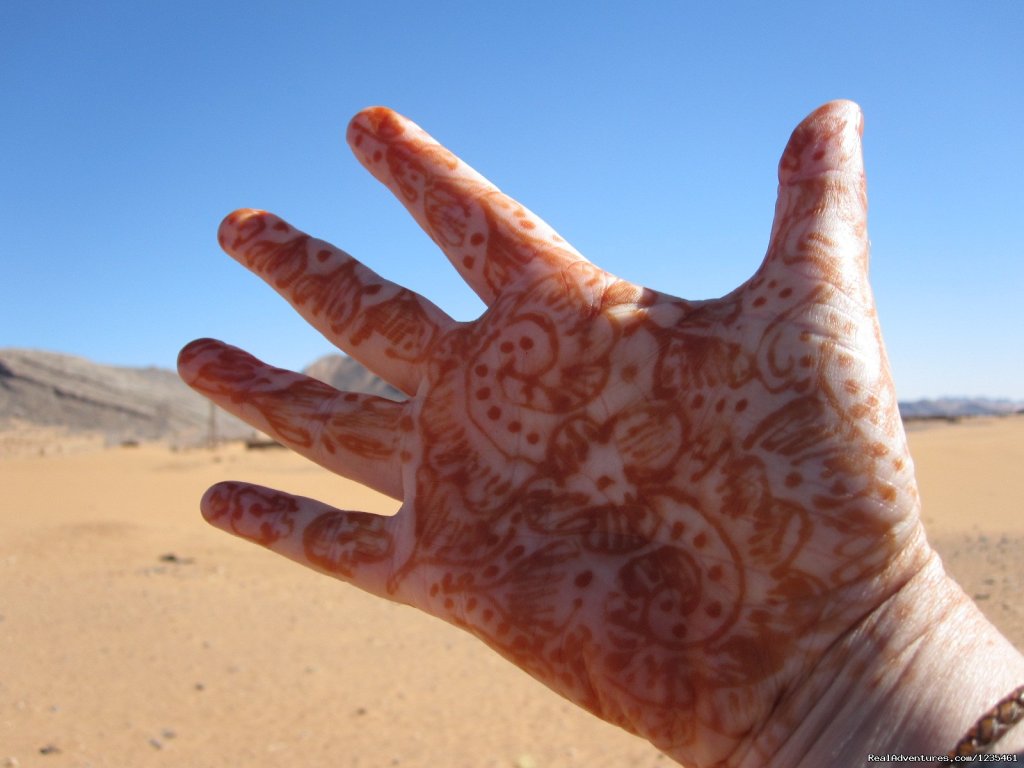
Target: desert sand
point(133, 634)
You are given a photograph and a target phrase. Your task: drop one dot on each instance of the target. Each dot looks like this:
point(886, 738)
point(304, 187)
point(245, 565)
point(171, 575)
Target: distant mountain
point(51, 389)
point(348, 375)
point(958, 407)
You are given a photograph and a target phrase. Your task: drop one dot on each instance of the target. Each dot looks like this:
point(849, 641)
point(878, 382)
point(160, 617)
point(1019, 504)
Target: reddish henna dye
point(665, 510)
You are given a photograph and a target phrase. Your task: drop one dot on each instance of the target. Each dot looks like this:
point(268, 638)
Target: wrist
point(910, 679)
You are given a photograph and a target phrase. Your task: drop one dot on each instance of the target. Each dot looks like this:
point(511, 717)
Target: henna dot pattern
point(665, 510)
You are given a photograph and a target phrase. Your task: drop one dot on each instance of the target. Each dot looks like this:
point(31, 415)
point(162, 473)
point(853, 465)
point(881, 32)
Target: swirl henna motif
point(667, 511)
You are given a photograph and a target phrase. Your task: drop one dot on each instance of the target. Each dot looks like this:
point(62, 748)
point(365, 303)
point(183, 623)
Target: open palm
point(667, 511)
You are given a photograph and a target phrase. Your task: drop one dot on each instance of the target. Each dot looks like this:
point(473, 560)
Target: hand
point(668, 511)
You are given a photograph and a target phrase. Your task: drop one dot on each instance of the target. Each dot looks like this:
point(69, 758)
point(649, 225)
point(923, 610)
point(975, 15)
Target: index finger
point(492, 240)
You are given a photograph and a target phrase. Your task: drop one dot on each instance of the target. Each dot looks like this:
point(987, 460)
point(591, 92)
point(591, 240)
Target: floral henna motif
point(665, 510)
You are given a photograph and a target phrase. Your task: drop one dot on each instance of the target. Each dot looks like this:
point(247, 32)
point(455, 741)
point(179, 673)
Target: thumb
point(820, 230)
point(812, 288)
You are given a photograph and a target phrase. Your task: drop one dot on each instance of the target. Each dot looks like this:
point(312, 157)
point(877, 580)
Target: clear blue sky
point(647, 133)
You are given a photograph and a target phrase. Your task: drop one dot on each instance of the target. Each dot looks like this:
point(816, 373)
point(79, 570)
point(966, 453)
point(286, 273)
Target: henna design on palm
point(665, 510)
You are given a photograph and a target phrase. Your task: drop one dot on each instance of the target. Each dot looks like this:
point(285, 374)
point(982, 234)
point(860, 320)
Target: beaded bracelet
point(992, 725)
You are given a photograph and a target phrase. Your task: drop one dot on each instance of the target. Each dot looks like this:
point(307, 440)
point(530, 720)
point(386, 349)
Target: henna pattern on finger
point(355, 546)
point(667, 511)
point(356, 435)
point(389, 328)
point(251, 513)
point(492, 240)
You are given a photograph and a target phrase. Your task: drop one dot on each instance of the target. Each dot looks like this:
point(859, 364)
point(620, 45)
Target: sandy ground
point(132, 634)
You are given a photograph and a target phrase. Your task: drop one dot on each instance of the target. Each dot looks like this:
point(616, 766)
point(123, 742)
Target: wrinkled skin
point(665, 510)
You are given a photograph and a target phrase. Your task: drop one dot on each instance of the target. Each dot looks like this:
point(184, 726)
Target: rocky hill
point(348, 375)
point(952, 408)
point(78, 396)
point(48, 389)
